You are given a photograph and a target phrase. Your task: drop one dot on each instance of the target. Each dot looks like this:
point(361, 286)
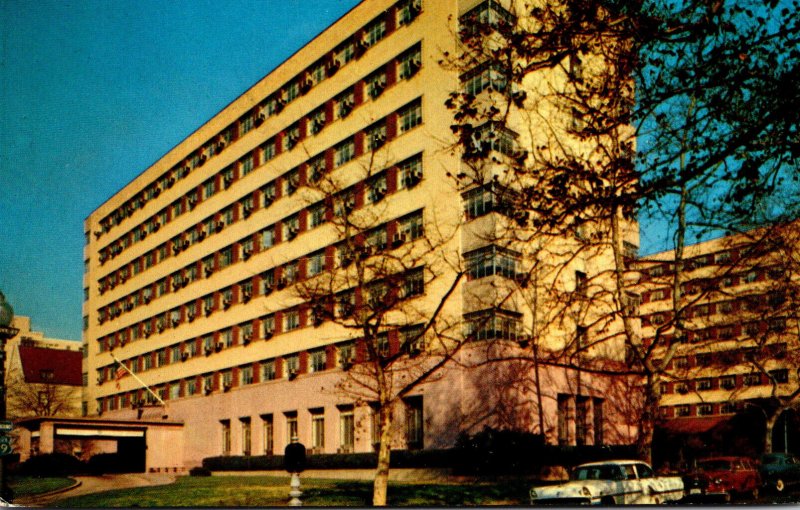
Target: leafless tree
point(592, 112)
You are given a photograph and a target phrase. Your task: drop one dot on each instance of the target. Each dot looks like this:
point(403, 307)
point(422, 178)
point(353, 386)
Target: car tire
point(779, 485)
point(608, 501)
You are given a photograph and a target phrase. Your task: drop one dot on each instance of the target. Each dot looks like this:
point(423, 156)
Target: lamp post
point(6, 333)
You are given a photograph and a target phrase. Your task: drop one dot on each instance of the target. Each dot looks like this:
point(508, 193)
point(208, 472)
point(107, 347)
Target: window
point(488, 325)
point(409, 63)
point(246, 375)
point(247, 442)
point(479, 201)
point(191, 386)
point(347, 430)
point(344, 53)
point(410, 227)
point(598, 420)
point(414, 422)
point(226, 337)
point(375, 85)
point(246, 165)
point(269, 434)
point(491, 137)
point(491, 260)
point(705, 409)
point(291, 227)
point(317, 430)
point(318, 360)
point(291, 426)
point(376, 137)
point(487, 13)
point(780, 376)
point(751, 276)
point(581, 416)
point(482, 78)
point(316, 215)
point(268, 325)
point(374, 32)
point(412, 340)
point(292, 364)
point(407, 11)
point(268, 237)
point(409, 172)
point(414, 283)
point(347, 353)
point(703, 384)
point(344, 152)
point(175, 390)
point(409, 117)
point(268, 370)
point(345, 104)
point(727, 382)
point(683, 410)
point(316, 263)
point(226, 437)
point(752, 379)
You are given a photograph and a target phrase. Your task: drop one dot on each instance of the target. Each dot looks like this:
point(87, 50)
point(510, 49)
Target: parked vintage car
point(611, 482)
point(720, 478)
point(779, 470)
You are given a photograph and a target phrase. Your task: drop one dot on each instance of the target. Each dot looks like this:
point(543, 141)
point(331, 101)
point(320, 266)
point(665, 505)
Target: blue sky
point(92, 92)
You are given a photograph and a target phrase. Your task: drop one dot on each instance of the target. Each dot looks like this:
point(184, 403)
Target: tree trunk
point(772, 419)
point(381, 483)
point(644, 440)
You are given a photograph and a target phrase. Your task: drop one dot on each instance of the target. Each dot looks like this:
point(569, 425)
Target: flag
point(120, 373)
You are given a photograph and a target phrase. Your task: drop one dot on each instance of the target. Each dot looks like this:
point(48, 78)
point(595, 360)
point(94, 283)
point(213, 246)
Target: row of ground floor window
point(321, 430)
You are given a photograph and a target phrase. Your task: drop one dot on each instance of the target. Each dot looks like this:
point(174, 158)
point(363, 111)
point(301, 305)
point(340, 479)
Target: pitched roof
point(51, 366)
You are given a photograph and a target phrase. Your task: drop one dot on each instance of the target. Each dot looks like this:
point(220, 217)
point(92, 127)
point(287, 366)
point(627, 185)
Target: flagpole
point(137, 379)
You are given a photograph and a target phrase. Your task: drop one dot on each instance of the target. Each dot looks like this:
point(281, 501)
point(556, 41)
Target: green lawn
point(30, 486)
point(221, 491)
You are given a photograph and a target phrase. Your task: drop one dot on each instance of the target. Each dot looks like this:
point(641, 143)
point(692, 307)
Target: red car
point(728, 476)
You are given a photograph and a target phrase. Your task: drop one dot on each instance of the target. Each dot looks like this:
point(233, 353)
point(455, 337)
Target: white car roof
point(605, 462)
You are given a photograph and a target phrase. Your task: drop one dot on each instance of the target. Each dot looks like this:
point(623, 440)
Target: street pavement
point(92, 484)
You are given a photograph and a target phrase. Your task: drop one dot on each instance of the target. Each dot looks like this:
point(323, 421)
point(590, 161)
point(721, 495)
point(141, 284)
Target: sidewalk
point(92, 484)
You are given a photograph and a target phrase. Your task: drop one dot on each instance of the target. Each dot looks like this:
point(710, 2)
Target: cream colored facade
point(737, 305)
point(192, 267)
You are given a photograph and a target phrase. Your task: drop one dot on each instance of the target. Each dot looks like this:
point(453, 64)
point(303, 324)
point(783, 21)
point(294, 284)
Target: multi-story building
point(198, 271)
point(734, 366)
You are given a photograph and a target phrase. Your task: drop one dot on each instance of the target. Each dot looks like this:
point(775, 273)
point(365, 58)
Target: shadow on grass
point(251, 491)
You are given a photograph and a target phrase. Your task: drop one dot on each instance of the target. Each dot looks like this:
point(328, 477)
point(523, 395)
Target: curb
point(35, 497)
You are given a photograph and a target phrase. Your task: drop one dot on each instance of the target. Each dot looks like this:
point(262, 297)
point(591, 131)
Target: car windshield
point(714, 465)
point(771, 459)
point(596, 473)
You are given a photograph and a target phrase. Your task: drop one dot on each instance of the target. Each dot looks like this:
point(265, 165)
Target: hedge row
point(488, 452)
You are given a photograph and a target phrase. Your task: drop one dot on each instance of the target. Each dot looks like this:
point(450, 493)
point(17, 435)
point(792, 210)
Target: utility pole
point(6, 333)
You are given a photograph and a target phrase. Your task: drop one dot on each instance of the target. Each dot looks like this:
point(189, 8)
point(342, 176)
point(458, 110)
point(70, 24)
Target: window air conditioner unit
point(227, 386)
point(219, 346)
point(208, 350)
point(246, 296)
point(208, 389)
point(398, 239)
point(268, 334)
point(293, 374)
point(184, 356)
point(246, 339)
point(227, 303)
point(208, 310)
